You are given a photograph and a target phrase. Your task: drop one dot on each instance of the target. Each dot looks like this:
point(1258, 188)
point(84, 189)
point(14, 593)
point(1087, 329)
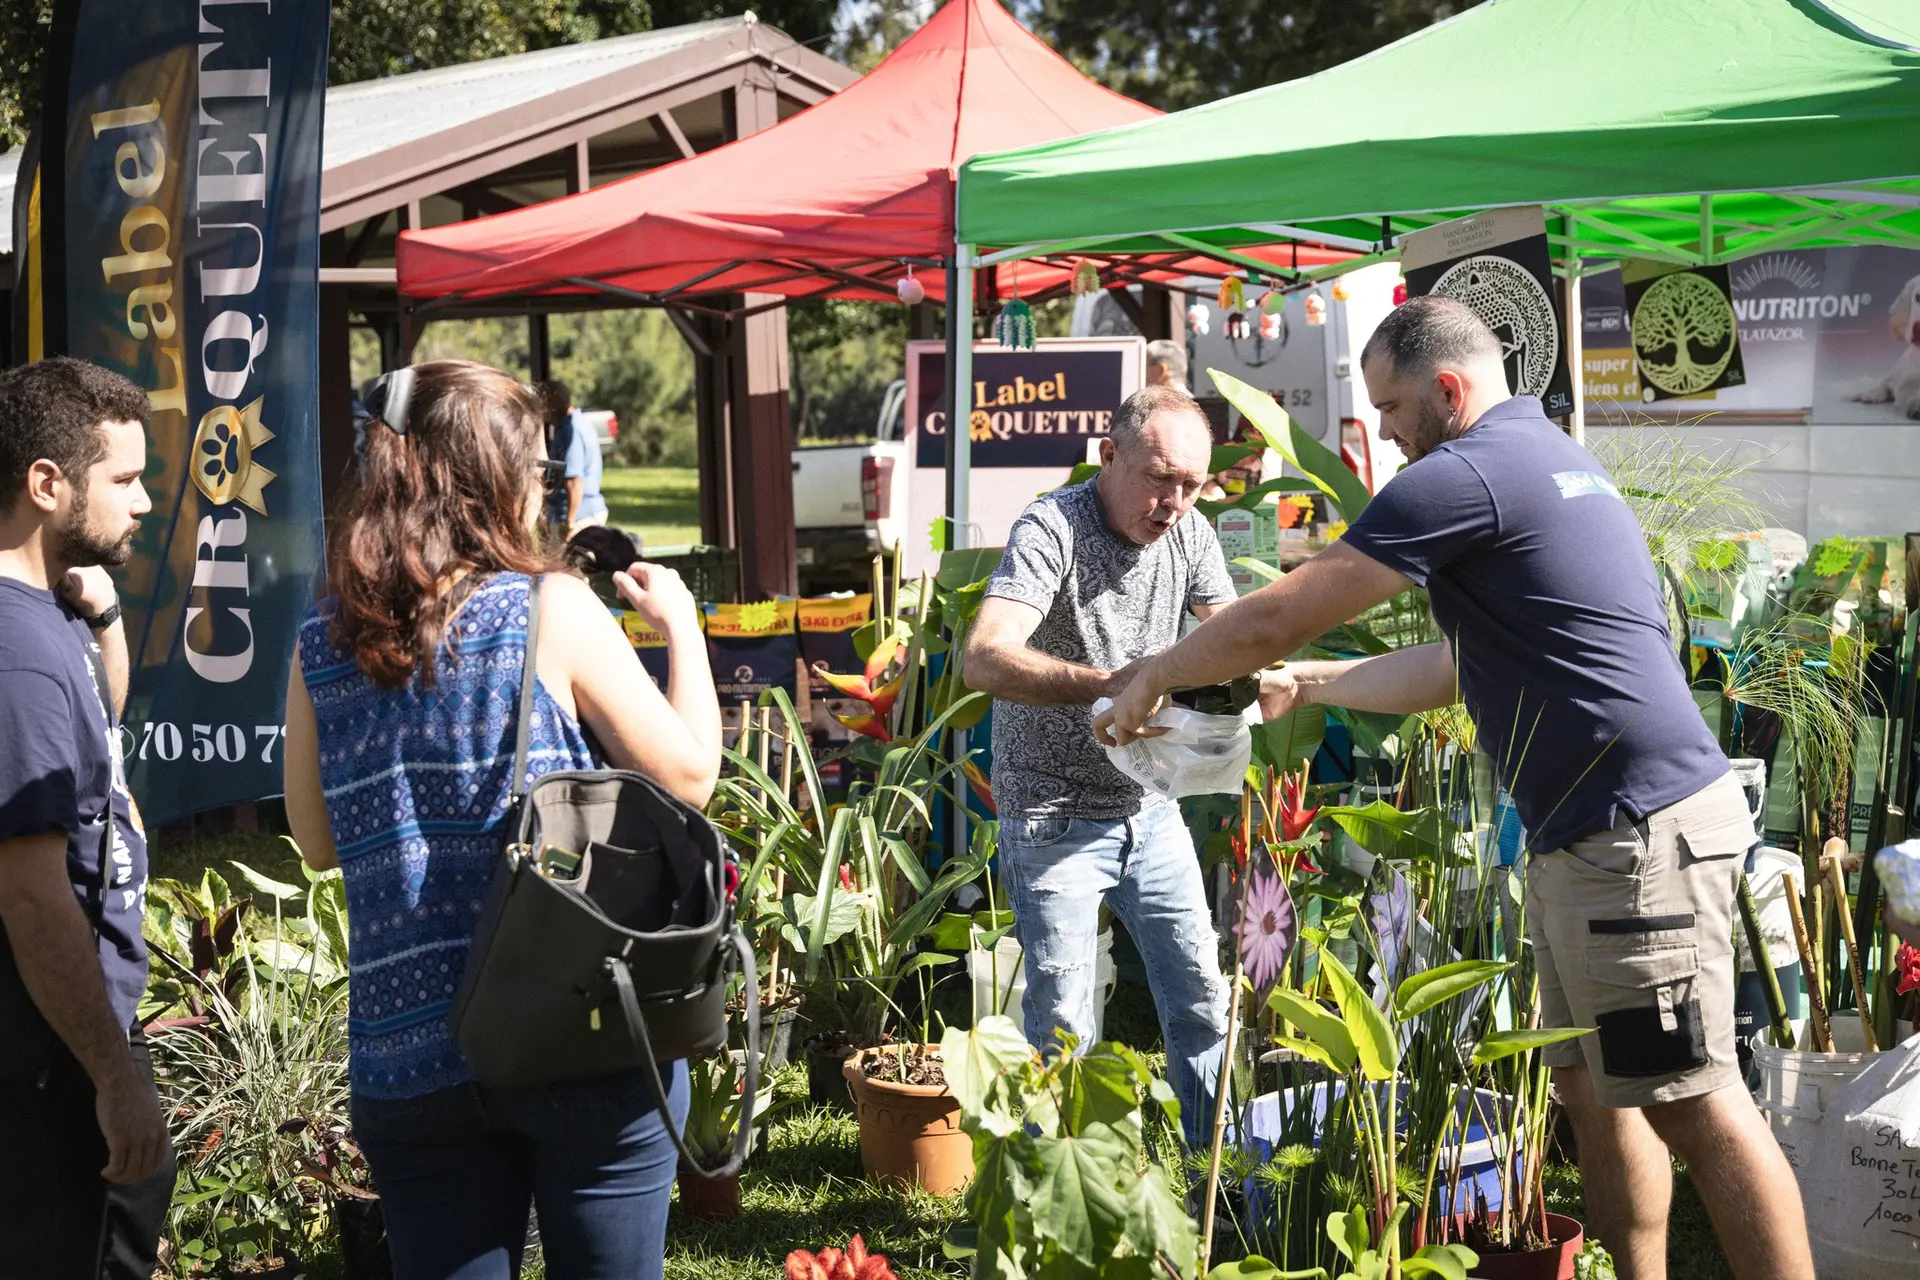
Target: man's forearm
point(1399, 683)
point(113, 652)
point(1026, 675)
point(1253, 632)
point(53, 945)
point(575, 487)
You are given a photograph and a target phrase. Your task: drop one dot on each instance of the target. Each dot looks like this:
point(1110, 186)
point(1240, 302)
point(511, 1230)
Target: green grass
point(661, 504)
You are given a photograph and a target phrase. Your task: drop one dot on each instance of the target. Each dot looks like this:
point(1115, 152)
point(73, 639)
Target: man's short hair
point(1427, 333)
point(1171, 356)
point(555, 397)
point(54, 409)
point(1132, 417)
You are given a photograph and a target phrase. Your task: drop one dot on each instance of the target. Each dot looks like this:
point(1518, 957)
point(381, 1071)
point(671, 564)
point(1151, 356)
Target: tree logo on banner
point(1505, 295)
point(1683, 334)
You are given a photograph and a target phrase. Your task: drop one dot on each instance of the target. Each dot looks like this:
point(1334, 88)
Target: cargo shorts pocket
point(1647, 1007)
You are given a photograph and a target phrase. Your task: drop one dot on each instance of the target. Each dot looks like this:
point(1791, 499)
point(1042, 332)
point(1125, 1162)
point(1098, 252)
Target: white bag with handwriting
point(1862, 1184)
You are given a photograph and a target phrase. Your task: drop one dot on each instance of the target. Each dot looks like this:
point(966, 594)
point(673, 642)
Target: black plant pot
point(776, 1033)
point(826, 1086)
point(363, 1238)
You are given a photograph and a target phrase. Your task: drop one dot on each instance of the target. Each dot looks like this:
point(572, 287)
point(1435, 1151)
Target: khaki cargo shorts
point(1632, 931)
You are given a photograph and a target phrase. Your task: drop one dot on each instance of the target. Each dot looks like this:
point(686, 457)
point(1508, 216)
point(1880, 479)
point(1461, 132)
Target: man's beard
point(1434, 429)
point(82, 549)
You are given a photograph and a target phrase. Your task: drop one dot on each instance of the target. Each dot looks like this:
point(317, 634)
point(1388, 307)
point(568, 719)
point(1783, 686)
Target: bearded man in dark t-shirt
point(86, 1168)
point(1556, 639)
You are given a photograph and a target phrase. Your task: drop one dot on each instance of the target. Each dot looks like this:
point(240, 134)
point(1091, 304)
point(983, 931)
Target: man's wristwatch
point(105, 618)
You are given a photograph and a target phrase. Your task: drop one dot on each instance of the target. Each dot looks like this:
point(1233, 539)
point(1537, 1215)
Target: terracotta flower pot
point(709, 1199)
point(910, 1134)
point(1552, 1263)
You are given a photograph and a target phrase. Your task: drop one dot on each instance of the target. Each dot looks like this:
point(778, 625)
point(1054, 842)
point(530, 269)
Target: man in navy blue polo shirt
point(86, 1168)
point(1556, 639)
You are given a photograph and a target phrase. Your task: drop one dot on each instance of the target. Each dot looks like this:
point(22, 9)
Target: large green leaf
point(973, 1059)
point(1287, 438)
point(1387, 832)
point(261, 884)
point(1325, 1030)
point(1449, 1261)
point(1291, 740)
point(960, 569)
point(1424, 990)
point(1496, 1045)
point(1075, 1203)
point(1157, 1222)
point(1373, 1040)
point(1097, 1088)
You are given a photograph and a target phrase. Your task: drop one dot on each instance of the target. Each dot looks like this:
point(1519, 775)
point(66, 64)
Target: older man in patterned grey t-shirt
point(1096, 577)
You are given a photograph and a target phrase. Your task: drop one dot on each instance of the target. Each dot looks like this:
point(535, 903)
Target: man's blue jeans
point(456, 1170)
point(1058, 871)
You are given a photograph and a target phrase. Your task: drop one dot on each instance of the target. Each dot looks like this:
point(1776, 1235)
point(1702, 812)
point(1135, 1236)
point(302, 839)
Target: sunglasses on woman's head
point(552, 472)
point(391, 398)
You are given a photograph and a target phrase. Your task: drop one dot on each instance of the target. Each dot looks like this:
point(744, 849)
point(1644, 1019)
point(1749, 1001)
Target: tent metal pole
point(1576, 355)
point(959, 421)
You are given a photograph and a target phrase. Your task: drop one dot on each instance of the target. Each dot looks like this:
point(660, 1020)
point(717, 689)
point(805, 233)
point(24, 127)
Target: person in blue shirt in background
point(579, 504)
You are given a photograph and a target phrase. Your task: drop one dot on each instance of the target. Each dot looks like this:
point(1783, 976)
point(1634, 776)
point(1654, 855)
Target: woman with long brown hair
point(401, 713)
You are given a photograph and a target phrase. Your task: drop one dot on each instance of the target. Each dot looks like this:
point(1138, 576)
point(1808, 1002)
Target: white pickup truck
point(846, 503)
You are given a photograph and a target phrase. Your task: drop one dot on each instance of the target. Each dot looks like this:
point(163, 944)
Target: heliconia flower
point(981, 787)
point(852, 1263)
point(1295, 816)
point(1267, 929)
point(872, 726)
point(1238, 843)
point(880, 697)
point(846, 878)
point(1906, 968)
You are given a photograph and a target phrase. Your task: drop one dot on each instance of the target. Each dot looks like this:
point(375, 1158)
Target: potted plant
point(338, 1165)
point(241, 1081)
point(716, 1095)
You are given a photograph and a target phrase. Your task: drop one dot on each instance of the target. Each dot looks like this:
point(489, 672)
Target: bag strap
point(650, 1069)
point(523, 732)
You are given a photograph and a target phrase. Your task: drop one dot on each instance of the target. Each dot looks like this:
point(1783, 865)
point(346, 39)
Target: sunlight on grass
point(661, 504)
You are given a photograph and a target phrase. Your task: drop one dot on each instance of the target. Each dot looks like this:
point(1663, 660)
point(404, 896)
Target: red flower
point(981, 787)
point(880, 697)
point(1295, 817)
point(854, 1263)
point(1906, 969)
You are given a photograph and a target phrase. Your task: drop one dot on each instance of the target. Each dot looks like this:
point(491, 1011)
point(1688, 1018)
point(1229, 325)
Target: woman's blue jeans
point(456, 1170)
point(1058, 872)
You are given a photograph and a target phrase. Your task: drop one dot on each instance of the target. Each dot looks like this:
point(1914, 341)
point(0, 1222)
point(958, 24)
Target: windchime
point(1086, 279)
point(1316, 308)
point(1199, 318)
point(911, 291)
point(1013, 327)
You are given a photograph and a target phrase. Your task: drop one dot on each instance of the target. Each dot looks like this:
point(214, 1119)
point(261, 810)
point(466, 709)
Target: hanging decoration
point(1273, 303)
point(1086, 278)
point(1316, 307)
point(1233, 294)
point(1399, 292)
point(1013, 327)
point(1340, 290)
point(1235, 325)
point(1198, 318)
point(911, 291)
point(1273, 325)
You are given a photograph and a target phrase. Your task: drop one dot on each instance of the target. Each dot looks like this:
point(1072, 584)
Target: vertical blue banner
point(191, 265)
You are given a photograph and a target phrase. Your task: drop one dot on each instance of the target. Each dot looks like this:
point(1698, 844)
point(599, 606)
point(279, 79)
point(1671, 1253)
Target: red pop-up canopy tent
point(842, 199)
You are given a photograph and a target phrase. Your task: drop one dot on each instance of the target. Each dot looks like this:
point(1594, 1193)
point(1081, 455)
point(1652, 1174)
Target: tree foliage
point(1179, 53)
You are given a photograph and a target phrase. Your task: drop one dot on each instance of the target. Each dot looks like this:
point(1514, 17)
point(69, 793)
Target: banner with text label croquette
point(649, 646)
point(753, 648)
point(178, 236)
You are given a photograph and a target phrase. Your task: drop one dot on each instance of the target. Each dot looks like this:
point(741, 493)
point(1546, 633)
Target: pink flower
point(1267, 930)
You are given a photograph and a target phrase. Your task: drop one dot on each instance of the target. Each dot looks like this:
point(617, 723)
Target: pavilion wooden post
point(761, 434)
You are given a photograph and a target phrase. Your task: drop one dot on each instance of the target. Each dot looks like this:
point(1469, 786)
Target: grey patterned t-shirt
point(1106, 602)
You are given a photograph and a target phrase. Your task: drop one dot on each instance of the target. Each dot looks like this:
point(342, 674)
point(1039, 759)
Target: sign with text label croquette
point(1037, 408)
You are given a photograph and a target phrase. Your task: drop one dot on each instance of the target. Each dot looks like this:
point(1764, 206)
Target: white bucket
point(1012, 972)
point(1796, 1086)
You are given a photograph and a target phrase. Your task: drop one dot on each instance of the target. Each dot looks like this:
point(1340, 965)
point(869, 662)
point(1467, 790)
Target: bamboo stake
point(1816, 998)
point(1837, 875)
point(1225, 1079)
point(1763, 965)
point(780, 873)
point(764, 741)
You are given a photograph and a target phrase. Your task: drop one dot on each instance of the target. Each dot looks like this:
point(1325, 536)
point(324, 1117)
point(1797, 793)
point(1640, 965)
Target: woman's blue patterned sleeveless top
point(417, 787)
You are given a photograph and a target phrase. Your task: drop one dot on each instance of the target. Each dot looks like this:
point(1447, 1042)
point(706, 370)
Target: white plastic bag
point(1198, 754)
point(1862, 1184)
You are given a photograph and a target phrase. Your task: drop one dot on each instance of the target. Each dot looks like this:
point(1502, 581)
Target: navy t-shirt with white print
point(1540, 577)
point(60, 772)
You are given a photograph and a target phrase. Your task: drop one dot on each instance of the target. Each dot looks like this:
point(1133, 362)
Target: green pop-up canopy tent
point(1692, 131)
point(1763, 124)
